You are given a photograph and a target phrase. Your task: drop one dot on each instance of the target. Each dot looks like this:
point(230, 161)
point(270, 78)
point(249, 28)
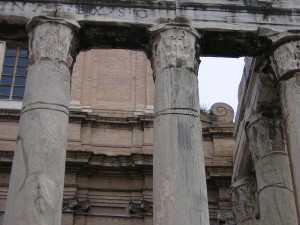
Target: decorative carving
point(49, 39)
point(285, 59)
point(174, 45)
point(226, 219)
point(75, 205)
point(244, 200)
point(37, 178)
point(265, 135)
point(274, 183)
point(291, 90)
point(142, 208)
point(267, 145)
point(223, 112)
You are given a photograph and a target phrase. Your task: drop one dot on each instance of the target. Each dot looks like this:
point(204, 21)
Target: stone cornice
point(214, 123)
point(76, 160)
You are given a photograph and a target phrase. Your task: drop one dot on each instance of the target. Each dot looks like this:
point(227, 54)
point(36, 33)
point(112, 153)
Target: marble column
point(274, 183)
point(37, 178)
point(180, 192)
point(244, 201)
point(285, 61)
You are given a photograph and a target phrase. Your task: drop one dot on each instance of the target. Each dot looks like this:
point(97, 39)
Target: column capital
point(174, 45)
point(266, 135)
point(53, 38)
point(244, 199)
point(284, 54)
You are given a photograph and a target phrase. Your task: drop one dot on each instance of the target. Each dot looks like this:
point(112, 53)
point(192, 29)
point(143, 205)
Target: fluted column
point(274, 183)
point(244, 201)
point(37, 177)
point(285, 61)
point(180, 193)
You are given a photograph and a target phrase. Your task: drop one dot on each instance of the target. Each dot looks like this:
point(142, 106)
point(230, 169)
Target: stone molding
point(174, 45)
point(50, 40)
point(244, 199)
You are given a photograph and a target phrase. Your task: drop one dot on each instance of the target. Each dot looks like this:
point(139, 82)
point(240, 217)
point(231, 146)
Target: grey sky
point(218, 80)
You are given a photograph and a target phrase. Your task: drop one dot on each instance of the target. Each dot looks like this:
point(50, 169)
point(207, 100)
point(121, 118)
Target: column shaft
point(285, 62)
point(274, 183)
point(37, 177)
point(180, 193)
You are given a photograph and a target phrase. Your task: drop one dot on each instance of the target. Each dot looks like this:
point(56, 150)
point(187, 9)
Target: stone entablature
point(128, 21)
point(264, 28)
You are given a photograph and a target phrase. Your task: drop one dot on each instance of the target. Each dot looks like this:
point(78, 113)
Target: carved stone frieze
point(51, 40)
point(244, 200)
point(174, 45)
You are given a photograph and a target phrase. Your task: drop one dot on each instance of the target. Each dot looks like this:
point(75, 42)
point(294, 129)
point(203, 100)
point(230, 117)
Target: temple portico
point(265, 186)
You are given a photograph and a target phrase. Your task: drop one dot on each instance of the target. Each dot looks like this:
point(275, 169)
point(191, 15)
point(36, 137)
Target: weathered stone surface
point(230, 26)
point(37, 178)
point(111, 173)
point(274, 182)
point(223, 112)
point(244, 201)
point(285, 62)
point(180, 195)
point(285, 58)
point(2, 54)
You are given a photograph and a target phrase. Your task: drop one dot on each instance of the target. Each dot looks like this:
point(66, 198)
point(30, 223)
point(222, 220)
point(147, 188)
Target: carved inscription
point(105, 11)
point(98, 10)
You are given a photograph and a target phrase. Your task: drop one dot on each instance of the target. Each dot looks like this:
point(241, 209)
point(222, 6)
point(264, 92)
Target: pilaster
point(37, 178)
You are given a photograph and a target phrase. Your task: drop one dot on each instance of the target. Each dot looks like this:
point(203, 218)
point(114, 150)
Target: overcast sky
point(218, 81)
